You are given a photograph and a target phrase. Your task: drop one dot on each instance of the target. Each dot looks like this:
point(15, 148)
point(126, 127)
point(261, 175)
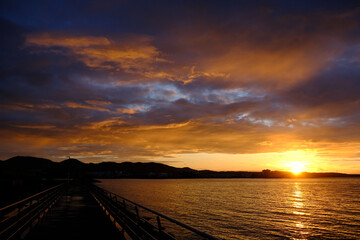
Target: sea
point(317, 208)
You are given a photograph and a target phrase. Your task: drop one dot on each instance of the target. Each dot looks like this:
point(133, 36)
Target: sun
point(296, 167)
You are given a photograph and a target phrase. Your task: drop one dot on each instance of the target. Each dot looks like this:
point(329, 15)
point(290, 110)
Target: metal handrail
point(125, 219)
point(19, 217)
point(29, 198)
point(181, 224)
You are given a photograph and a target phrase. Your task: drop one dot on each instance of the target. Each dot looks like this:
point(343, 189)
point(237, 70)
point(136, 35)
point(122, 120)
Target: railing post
point(137, 214)
point(159, 223)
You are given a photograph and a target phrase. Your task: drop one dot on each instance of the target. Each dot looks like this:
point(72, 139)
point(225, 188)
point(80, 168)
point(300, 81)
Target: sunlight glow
point(296, 167)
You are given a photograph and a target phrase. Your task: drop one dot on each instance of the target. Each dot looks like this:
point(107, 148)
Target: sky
point(220, 85)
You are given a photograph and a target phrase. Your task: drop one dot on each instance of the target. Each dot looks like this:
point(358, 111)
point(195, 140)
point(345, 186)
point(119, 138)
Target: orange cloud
point(133, 55)
point(58, 40)
point(36, 126)
point(269, 66)
point(127, 110)
point(118, 58)
point(79, 105)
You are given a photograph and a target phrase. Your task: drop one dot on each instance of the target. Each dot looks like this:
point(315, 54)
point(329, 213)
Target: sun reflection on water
point(298, 204)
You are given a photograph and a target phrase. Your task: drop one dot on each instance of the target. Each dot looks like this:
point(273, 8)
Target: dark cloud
point(337, 84)
point(332, 93)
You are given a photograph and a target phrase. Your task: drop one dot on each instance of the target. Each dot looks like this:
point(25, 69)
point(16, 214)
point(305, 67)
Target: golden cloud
point(79, 105)
point(134, 55)
point(118, 58)
point(37, 126)
point(285, 66)
point(127, 110)
point(58, 40)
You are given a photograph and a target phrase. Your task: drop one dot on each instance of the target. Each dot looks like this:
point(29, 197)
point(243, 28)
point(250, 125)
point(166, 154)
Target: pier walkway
point(79, 210)
point(76, 215)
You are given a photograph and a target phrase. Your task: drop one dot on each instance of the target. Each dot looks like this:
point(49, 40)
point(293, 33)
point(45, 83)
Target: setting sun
point(297, 167)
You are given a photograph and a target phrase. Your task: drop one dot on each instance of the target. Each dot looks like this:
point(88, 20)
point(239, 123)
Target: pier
point(79, 210)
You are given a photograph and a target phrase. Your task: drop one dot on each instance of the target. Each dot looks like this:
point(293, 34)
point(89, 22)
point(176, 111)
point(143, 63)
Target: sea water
point(319, 208)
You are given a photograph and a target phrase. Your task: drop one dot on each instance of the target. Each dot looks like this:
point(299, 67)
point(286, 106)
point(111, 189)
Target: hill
point(27, 162)
point(26, 167)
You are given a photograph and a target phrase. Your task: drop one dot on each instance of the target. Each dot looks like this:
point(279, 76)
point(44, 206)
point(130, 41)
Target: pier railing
point(18, 218)
point(138, 222)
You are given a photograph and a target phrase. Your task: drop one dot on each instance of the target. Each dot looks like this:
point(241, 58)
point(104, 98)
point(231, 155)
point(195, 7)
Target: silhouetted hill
point(141, 170)
point(72, 162)
point(27, 162)
point(70, 168)
point(145, 167)
point(25, 167)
